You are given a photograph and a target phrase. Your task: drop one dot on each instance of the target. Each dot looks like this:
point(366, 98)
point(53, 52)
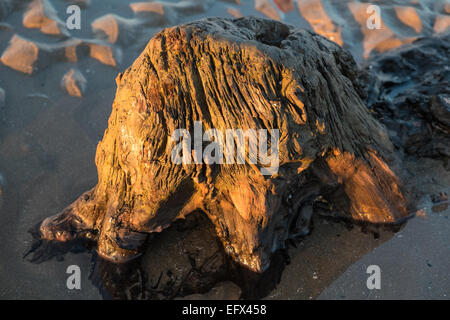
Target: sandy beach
point(57, 86)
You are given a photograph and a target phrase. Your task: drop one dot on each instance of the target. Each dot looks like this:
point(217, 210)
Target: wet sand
point(48, 141)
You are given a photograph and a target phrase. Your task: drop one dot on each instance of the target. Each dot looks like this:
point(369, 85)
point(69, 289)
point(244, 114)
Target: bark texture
point(246, 73)
point(408, 91)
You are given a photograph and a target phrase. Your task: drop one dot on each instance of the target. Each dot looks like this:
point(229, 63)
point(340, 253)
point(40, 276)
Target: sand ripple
point(42, 15)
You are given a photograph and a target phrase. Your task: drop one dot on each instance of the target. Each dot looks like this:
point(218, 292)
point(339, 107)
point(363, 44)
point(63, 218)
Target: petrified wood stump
point(246, 73)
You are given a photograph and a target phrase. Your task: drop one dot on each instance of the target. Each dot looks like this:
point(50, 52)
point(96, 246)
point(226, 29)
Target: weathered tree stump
point(246, 73)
